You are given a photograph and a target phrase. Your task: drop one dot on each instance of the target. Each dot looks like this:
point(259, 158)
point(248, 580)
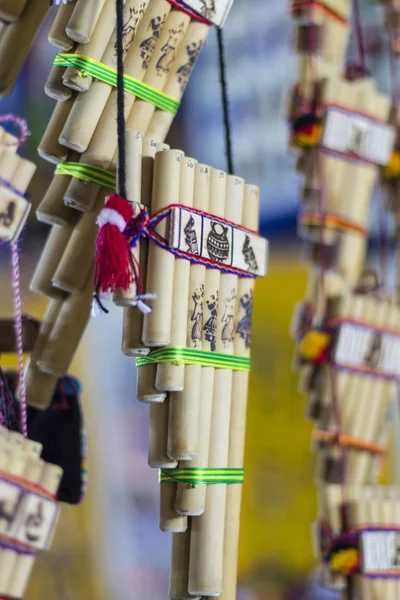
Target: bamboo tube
point(16, 42)
point(240, 384)
point(170, 521)
point(72, 272)
point(188, 53)
point(179, 571)
point(50, 481)
point(170, 377)
point(160, 270)
point(86, 115)
point(146, 375)
point(49, 148)
point(52, 209)
point(54, 86)
point(40, 386)
point(57, 34)
point(207, 537)
point(57, 240)
point(158, 457)
point(66, 334)
point(11, 10)
point(83, 20)
point(185, 415)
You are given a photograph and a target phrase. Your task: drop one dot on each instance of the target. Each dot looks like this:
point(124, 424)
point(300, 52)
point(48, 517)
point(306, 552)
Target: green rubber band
point(88, 66)
point(190, 356)
point(87, 173)
point(197, 476)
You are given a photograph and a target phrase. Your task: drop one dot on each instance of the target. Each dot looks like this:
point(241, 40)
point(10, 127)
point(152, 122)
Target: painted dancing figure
point(148, 45)
point(191, 237)
point(208, 9)
point(169, 50)
point(197, 317)
point(185, 70)
point(228, 329)
point(130, 26)
point(244, 326)
point(210, 325)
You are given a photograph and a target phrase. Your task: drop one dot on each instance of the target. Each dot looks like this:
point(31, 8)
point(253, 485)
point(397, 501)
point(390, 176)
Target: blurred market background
point(110, 547)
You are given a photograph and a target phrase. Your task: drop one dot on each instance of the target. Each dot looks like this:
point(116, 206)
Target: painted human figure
point(148, 45)
point(185, 70)
point(373, 354)
point(244, 326)
point(208, 9)
point(191, 237)
point(197, 317)
point(228, 329)
point(130, 25)
point(169, 51)
point(7, 217)
point(210, 325)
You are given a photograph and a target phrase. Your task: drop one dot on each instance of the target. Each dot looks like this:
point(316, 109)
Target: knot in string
point(137, 227)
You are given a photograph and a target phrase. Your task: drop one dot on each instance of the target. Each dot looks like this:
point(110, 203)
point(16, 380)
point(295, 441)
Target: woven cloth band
point(191, 356)
point(88, 66)
point(87, 173)
point(310, 4)
point(196, 476)
point(330, 221)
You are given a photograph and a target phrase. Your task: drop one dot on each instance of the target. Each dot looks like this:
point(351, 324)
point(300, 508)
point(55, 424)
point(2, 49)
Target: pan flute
point(193, 351)
point(357, 538)
point(28, 509)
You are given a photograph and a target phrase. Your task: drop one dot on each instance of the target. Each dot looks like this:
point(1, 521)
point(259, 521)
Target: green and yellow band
point(88, 66)
point(191, 356)
point(197, 476)
point(87, 173)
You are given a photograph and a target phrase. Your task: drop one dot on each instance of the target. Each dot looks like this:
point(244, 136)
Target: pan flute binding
point(347, 327)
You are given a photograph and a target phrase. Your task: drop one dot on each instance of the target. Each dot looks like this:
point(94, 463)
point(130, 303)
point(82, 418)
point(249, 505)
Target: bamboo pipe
point(16, 42)
point(57, 240)
point(170, 521)
point(207, 538)
point(86, 115)
point(52, 209)
point(40, 386)
point(132, 344)
point(54, 86)
point(11, 10)
point(179, 571)
point(146, 375)
point(160, 270)
point(189, 51)
point(57, 34)
point(50, 481)
point(49, 148)
point(83, 20)
point(72, 272)
point(240, 383)
point(170, 376)
point(190, 409)
point(67, 331)
point(158, 457)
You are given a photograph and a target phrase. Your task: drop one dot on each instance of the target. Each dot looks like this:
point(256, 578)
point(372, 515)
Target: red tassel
point(113, 266)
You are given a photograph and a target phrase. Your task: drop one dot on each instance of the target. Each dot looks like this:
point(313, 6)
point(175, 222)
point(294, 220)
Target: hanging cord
point(120, 98)
point(19, 336)
point(225, 101)
point(362, 69)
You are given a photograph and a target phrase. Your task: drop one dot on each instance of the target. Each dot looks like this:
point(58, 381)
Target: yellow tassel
point(345, 561)
point(313, 344)
point(392, 169)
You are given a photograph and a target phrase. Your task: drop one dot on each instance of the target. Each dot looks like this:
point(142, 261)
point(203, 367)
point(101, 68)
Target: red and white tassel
point(113, 261)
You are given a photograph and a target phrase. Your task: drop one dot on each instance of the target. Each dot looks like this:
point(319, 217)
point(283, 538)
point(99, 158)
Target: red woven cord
point(189, 12)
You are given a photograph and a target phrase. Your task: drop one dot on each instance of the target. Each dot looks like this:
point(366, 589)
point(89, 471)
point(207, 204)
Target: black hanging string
point(120, 99)
point(225, 101)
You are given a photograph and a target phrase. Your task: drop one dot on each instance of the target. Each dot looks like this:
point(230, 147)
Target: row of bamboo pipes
point(20, 457)
point(358, 405)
